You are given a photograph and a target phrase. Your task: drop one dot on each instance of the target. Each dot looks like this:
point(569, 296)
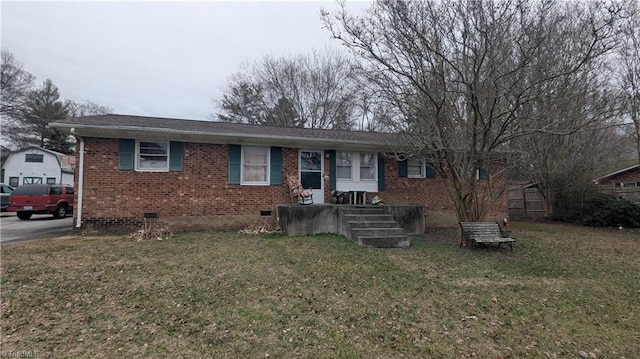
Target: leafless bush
point(151, 231)
point(261, 228)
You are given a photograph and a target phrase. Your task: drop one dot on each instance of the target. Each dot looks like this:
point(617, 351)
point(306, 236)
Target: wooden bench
point(474, 233)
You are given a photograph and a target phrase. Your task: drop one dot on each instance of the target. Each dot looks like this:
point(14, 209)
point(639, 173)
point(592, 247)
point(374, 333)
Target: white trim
point(350, 178)
point(137, 158)
point(423, 168)
point(80, 185)
point(318, 193)
point(375, 167)
point(268, 173)
point(356, 183)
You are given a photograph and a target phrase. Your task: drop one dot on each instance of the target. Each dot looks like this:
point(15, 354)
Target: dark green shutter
point(235, 158)
point(483, 173)
point(431, 171)
point(333, 169)
point(175, 156)
point(276, 166)
point(380, 172)
point(403, 168)
point(126, 154)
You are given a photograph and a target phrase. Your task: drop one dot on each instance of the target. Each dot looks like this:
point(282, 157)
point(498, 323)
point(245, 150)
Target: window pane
point(30, 157)
point(311, 180)
point(367, 166)
point(343, 173)
point(310, 161)
point(153, 155)
point(254, 173)
point(344, 159)
point(152, 162)
point(415, 167)
point(343, 170)
point(255, 164)
point(153, 148)
point(255, 155)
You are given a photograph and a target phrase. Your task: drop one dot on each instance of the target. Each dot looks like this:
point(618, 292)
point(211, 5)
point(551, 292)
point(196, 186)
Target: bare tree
point(15, 85)
point(628, 71)
point(466, 77)
point(317, 90)
point(79, 109)
point(27, 110)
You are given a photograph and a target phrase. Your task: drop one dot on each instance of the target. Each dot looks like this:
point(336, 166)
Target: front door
point(311, 169)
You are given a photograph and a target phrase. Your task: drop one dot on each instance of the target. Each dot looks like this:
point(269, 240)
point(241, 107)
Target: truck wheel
point(24, 215)
point(60, 212)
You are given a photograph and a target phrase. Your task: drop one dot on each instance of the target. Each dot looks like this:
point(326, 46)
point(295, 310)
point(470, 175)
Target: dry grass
point(564, 292)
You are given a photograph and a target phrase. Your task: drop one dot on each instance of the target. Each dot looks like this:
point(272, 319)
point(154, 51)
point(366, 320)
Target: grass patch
point(564, 290)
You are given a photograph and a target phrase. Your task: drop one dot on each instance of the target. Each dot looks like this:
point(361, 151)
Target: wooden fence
point(630, 193)
point(527, 203)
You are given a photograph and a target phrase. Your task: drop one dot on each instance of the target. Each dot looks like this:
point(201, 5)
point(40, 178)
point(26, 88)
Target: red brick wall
point(432, 195)
point(198, 197)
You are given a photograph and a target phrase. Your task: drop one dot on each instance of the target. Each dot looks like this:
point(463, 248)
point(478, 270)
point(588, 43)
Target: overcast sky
point(165, 59)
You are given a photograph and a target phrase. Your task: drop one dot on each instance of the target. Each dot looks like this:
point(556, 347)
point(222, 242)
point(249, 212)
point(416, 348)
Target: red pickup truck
point(41, 198)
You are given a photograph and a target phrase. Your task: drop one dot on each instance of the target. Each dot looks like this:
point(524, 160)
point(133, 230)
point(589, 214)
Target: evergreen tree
point(42, 105)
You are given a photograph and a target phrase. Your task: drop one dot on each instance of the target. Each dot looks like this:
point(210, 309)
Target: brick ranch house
point(215, 175)
point(626, 177)
point(623, 183)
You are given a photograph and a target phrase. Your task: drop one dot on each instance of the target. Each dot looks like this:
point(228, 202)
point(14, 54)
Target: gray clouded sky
point(166, 59)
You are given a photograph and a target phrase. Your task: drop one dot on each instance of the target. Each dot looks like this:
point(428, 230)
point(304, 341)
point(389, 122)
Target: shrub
point(591, 208)
point(607, 211)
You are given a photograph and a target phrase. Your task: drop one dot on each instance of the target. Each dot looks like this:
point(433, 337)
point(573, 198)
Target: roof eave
point(615, 173)
point(149, 133)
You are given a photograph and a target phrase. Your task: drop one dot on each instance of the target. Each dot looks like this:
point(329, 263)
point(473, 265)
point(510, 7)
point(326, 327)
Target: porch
point(367, 225)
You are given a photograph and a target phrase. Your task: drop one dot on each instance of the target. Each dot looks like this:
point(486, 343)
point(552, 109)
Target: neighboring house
point(626, 177)
point(206, 175)
point(31, 165)
point(624, 183)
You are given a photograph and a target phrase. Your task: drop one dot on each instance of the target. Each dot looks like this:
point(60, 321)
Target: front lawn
point(565, 291)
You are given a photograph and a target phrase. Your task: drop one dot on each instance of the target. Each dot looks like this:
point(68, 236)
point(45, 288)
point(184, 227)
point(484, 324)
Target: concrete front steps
point(372, 226)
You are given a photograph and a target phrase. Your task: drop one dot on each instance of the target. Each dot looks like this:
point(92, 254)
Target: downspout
point(80, 184)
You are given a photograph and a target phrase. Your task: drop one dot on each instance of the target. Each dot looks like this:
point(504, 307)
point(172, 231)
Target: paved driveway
point(40, 226)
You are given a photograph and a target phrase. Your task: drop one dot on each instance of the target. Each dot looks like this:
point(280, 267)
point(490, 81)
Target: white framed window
point(152, 156)
point(34, 157)
point(368, 166)
point(356, 166)
point(420, 168)
point(415, 167)
point(255, 165)
point(344, 166)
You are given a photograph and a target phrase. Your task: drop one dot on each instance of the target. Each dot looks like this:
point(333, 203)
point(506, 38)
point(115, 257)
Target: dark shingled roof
point(129, 122)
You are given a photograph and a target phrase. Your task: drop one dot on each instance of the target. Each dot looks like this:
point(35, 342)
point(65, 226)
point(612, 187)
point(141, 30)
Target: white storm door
point(311, 169)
